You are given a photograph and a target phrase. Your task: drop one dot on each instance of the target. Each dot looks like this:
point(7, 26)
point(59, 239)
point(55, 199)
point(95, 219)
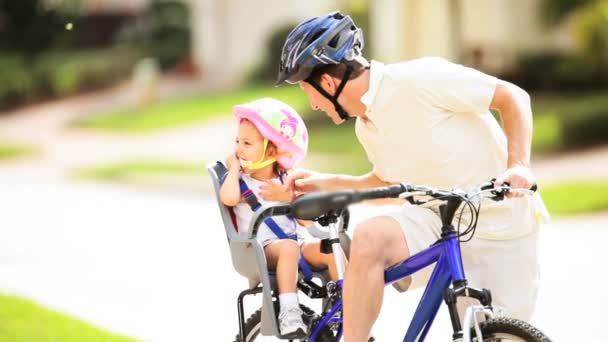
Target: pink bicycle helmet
point(279, 123)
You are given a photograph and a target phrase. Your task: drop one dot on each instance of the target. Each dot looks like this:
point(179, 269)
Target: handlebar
point(314, 205)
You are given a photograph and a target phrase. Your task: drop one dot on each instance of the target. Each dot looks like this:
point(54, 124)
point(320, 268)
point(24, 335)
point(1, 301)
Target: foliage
point(60, 73)
point(162, 32)
point(565, 121)
point(590, 18)
point(28, 27)
point(268, 68)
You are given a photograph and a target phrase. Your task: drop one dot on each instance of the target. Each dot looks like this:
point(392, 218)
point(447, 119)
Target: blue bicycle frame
point(446, 253)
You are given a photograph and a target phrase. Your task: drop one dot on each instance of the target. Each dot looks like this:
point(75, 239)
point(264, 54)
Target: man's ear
point(328, 83)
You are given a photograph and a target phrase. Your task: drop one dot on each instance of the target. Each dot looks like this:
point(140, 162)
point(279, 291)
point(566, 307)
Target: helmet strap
point(260, 163)
point(334, 99)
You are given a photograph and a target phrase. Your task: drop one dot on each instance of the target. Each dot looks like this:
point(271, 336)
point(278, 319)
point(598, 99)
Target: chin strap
point(334, 99)
point(260, 163)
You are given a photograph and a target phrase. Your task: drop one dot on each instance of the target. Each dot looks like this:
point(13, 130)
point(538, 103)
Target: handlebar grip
point(382, 192)
point(490, 185)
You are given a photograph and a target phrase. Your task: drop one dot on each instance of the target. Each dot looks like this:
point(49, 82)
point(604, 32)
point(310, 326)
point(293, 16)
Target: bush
point(16, 83)
point(555, 71)
point(163, 32)
point(586, 129)
point(61, 73)
point(268, 69)
point(564, 121)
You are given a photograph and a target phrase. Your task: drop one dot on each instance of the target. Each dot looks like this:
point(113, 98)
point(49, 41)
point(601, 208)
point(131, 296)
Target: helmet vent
point(317, 34)
point(333, 43)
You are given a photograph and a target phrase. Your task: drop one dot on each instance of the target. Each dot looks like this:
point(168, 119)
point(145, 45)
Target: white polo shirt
point(429, 123)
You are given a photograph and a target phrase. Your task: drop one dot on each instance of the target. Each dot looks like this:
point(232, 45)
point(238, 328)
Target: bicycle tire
point(509, 329)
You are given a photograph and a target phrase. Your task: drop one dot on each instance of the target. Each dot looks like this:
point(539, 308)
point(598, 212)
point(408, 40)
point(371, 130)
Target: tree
point(590, 20)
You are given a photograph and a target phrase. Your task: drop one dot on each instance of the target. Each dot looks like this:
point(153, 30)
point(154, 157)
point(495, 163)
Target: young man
point(425, 121)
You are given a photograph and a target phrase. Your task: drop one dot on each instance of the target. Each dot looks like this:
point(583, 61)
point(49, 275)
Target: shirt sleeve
point(454, 87)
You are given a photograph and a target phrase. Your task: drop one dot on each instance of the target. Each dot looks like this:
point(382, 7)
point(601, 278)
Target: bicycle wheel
point(509, 329)
point(253, 325)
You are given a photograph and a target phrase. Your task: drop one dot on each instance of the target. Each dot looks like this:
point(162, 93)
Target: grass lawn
point(188, 110)
point(578, 197)
point(336, 149)
point(141, 170)
point(22, 320)
point(10, 151)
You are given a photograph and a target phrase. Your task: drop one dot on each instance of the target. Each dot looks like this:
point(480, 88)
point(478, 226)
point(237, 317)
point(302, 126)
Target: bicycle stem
point(336, 249)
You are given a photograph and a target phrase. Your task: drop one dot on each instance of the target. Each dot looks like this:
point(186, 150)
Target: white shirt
point(429, 123)
point(244, 214)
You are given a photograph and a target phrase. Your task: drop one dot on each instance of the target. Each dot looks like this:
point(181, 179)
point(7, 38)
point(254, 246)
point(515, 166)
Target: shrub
point(585, 129)
point(268, 69)
point(555, 71)
point(62, 73)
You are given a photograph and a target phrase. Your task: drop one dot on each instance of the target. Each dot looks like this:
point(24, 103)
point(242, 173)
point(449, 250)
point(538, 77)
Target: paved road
point(156, 266)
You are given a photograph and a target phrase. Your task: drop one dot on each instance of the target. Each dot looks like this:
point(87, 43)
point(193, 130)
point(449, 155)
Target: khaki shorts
point(508, 268)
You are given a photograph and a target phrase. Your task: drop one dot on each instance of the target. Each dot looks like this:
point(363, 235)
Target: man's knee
point(374, 238)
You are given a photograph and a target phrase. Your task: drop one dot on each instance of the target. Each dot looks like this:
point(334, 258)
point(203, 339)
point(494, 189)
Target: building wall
point(489, 34)
point(230, 36)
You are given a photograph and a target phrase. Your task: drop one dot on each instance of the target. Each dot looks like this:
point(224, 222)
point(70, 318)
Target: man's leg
point(377, 243)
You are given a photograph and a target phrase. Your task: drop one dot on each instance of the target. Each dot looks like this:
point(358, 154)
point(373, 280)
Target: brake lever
point(500, 192)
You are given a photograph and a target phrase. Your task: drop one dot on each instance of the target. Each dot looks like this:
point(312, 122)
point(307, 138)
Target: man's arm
point(513, 104)
point(368, 180)
point(307, 181)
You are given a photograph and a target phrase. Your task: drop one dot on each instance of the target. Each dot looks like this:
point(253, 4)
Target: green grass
point(188, 110)
point(578, 197)
point(337, 148)
point(11, 151)
point(134, 170)
point(23, 320)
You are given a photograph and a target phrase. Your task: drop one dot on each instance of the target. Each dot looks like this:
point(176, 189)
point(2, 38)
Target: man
point(425, 121)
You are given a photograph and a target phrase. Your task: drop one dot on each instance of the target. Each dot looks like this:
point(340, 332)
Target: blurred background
point(110, 111)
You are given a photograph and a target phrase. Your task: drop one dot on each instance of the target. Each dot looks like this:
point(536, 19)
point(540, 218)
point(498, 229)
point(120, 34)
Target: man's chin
point(338, 121)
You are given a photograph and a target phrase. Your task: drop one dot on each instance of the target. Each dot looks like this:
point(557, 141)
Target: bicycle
point(447, 281)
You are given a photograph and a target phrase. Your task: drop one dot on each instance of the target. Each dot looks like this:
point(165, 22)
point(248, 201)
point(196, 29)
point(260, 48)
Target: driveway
point(157, 267)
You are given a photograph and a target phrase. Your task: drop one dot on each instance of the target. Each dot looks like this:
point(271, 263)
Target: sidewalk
point(157, 267)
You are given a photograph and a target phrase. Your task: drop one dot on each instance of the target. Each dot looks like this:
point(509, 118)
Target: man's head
point(329, 78)
point(324, 45)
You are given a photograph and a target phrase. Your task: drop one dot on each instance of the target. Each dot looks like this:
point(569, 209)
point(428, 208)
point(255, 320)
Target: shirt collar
point(376, 71)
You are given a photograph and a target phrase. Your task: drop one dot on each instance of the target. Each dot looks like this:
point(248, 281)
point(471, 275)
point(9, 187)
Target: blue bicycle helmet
point(330, 39)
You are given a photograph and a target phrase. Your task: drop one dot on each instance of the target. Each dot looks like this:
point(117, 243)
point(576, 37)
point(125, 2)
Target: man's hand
point(275, 191)
point(518, 177)
point(302, 181)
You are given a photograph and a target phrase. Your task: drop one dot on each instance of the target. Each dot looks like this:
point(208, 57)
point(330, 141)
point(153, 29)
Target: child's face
point(249, 142)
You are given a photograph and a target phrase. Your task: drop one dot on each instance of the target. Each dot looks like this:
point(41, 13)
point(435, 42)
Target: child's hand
point(232, 162)
point(275, 191)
